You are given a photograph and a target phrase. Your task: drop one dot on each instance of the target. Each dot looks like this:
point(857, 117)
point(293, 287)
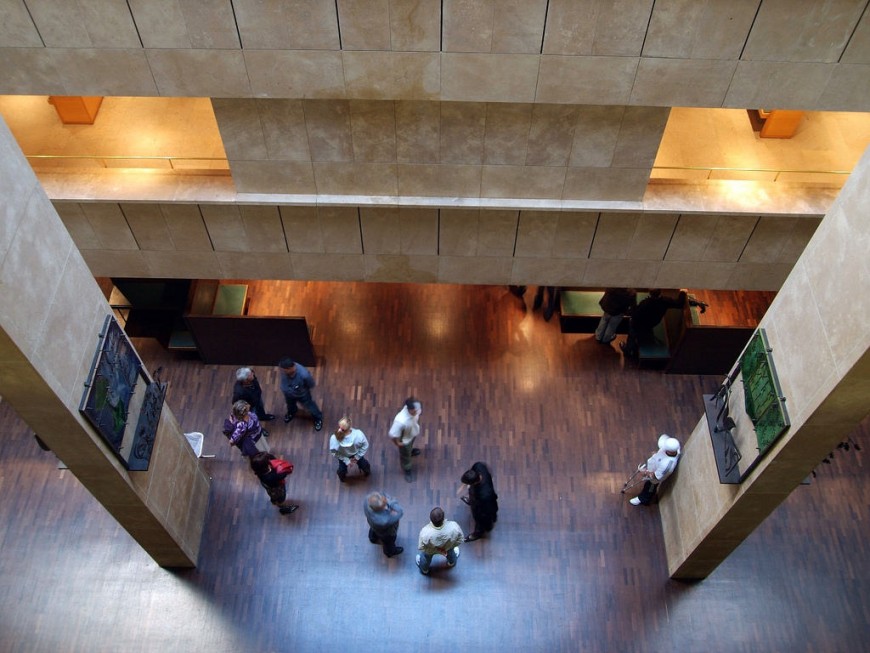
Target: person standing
point(644, 318)
point(438, 537)
point(349, 445)
point(615, 303)
point(296, 384)
point(247, 387)
point(403, 432)
point(481, 498)
point(383, 514)
point(658, 468)
point(272, 472)
point(243, 430)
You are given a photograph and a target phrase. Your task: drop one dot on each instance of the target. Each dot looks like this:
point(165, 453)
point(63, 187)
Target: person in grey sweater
point(383, 514)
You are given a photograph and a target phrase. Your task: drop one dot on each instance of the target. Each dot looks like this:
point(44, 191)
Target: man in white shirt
point(658, 468)
point(439, 537)
point(349, 445)
point(403, 432)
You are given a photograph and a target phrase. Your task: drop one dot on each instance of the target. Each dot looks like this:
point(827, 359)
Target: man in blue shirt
point(296, 384)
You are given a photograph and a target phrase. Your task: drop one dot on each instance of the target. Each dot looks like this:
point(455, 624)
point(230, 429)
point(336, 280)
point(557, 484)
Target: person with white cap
point(658, 468)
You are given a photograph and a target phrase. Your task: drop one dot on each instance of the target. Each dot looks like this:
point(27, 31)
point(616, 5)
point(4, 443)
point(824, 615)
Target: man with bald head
point(383, 514)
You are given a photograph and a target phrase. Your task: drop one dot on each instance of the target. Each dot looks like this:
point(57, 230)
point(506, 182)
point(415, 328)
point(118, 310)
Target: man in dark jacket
point(247, 388)
point(481, 498)
point(383, 514)
point(644, 318)
point(615, 303)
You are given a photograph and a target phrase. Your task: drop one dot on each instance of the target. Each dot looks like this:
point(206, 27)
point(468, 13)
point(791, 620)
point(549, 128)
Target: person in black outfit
point(615, 303)
point(247, 387)
point(272, 471)
point(644, 318)
point(481, 498)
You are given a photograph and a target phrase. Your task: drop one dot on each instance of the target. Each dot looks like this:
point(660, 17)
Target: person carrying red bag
point(271, 471)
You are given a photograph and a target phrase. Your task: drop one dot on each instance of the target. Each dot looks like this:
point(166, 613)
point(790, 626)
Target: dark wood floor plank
point(570, 565)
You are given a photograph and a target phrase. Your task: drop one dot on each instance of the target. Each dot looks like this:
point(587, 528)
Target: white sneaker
point(425, 573)
point(456, 551)
point(635, 501)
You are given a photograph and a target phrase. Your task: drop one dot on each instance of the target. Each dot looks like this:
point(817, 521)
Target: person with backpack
point(272, 472)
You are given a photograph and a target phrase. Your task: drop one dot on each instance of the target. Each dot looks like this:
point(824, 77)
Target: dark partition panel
point(709, 349)
point(250, 340)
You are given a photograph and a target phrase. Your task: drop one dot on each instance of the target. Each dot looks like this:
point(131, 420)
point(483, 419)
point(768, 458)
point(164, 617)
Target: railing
point(183, 165)
point(834, 178)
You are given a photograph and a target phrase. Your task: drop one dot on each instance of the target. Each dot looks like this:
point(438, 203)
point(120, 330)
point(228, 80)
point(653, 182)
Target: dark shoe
point(318, 424)
point(288, 510)
point(264, 432)
point(409, 475)
point(472, 537)
point(268, 417)
point(287, 417)
point(395, 551)
point(342, 479)
point(367, 473)
point(415, 452)
point(465, 501)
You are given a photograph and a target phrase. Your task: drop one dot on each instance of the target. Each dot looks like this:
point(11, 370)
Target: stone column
point(820, 335)
point(51, 313)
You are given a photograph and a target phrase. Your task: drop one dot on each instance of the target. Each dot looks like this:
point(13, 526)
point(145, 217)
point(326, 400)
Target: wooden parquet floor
point(569, 567)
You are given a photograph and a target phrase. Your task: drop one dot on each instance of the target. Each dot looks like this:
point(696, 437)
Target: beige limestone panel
point(399, 231)
point(692, 234)
point(506, 137)
point(585, 80)
point(329, 130)
point(415, 26)
point(281, 177)
point(295, 73)
point(518, 26)
point(759, 276)
point(596, 135)
point(458, 231)
point(652, 236)
point(793, 245)
point(620, 184)
point(536, 234)
point(33, 71)
point(817, 31)
point(474, 269)
point(373, 128)
point(303, 229)
point(271, 265)
point(83, 24)
point(401, 268)
point(209, 25)
point(340, 227)
point(161, 24)
point(627, 274)
point(392, 75)
point(76, 223)
point(184, 265)
point(186, 227)
point(613, 235)
point(489, 77)
point(858, 48)
point(729, 238)
point(356, 179)
point(463, 125)
point(682, 82)
point(322, 267)
point(418, 230)
point(17, 183)
point(418, 132)
point(527, 182)
point(847, 89)
point(548, 271)
point(109, 225)
point(121, 263)
point(242, 133)
point(551, 134)
point(497, 233)
point(105, 72)
point(289, 25)
point(200, 73)
point(17, 29)
point(148, 226)
point(37, 251)
point(779, 84)
point(694, 274)
point(284, 130)
point(766, 242)
point(596, 27)
point(574, 234)
point(264, 231)
point(467, 25)
point(446, 181)
point(225, 227)
point(365, 24)
point(699, 29)
point(640, 136)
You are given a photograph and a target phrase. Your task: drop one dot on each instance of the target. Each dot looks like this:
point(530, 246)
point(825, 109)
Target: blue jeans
point(607, 327)
point(307, 403)
point(426, 559)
